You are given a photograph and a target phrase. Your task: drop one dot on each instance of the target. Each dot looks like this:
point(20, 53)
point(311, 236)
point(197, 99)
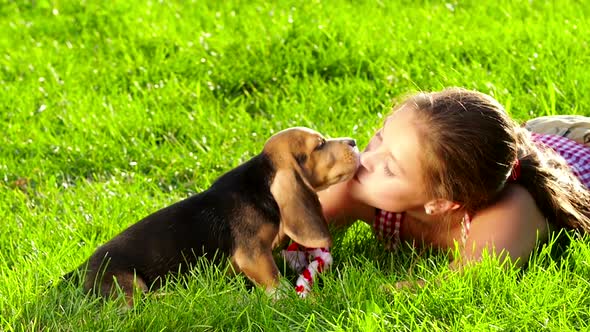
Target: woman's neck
point(439, 230)
point(438, 221)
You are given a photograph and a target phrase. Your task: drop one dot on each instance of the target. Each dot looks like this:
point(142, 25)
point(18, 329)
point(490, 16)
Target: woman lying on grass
point(451, 169)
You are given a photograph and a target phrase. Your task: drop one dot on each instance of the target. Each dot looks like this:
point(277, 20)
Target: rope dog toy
point(308, 262)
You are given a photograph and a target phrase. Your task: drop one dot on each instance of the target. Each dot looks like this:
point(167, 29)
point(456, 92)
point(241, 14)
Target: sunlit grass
point(110, 111)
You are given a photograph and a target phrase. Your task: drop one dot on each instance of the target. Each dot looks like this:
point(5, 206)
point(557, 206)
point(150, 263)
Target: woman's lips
point(356, 176)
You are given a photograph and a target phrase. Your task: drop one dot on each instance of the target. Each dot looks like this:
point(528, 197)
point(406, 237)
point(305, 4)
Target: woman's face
point(390, 175)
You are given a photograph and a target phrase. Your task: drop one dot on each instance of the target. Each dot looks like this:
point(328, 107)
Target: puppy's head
point(305, 162)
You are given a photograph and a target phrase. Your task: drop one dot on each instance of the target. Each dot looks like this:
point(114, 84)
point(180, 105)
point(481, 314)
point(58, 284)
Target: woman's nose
point(368, 159)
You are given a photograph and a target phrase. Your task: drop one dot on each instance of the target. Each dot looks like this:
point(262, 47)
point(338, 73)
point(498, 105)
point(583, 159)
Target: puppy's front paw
point(279, 292)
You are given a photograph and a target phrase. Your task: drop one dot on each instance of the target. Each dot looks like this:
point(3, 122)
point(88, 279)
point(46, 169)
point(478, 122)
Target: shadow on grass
point(358, 244)
point(204, 298)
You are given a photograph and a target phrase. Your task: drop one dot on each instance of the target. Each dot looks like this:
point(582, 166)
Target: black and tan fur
point(243, 215)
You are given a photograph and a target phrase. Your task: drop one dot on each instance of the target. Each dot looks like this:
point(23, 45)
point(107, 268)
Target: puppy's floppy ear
point(301, 212)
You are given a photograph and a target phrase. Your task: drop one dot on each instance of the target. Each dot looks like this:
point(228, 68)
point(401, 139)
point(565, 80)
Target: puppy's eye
point(301, 159)
point(321, 144)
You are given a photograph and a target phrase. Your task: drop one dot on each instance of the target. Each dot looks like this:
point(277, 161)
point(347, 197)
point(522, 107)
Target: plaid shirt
point(387, 226)
point(576, 155)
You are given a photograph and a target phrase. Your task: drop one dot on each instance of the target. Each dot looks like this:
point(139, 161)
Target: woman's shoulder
point(514, 201)
point(513, 224)
point(513, 214)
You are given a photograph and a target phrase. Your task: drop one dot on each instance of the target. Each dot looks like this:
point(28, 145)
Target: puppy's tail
point(73, 278)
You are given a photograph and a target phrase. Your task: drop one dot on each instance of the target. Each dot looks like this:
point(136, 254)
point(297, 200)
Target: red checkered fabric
point(576, 155)
point(387, 225)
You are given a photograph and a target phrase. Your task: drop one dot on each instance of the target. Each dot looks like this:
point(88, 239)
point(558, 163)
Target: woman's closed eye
point(388, 171)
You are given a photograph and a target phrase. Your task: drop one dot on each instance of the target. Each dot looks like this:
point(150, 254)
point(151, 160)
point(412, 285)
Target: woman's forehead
point(401, 110)
point(402, 117)
point(401, 137)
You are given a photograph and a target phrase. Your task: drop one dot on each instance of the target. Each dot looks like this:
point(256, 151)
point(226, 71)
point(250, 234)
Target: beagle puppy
point(243, 215)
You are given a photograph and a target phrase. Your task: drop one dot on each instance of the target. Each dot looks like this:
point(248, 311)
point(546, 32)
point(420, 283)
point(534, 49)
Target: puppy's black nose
point(351, 142)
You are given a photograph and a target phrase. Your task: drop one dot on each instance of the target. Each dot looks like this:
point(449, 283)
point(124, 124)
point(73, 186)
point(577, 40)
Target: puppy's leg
point(259, 266)
point(127, 281)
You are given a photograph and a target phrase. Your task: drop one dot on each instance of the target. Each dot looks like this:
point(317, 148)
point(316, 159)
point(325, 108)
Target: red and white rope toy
point(308, 262)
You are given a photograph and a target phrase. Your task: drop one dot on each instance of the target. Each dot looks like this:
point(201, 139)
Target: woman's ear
point(438, 206)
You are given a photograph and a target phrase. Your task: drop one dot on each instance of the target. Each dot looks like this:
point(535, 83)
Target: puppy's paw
point(280, 292)
point(411, 285)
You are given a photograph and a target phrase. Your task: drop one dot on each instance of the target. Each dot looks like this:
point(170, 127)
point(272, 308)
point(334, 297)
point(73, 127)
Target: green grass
point(111, 110)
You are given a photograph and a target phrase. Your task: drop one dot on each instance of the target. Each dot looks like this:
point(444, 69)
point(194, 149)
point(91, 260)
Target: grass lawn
point(112, 110)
